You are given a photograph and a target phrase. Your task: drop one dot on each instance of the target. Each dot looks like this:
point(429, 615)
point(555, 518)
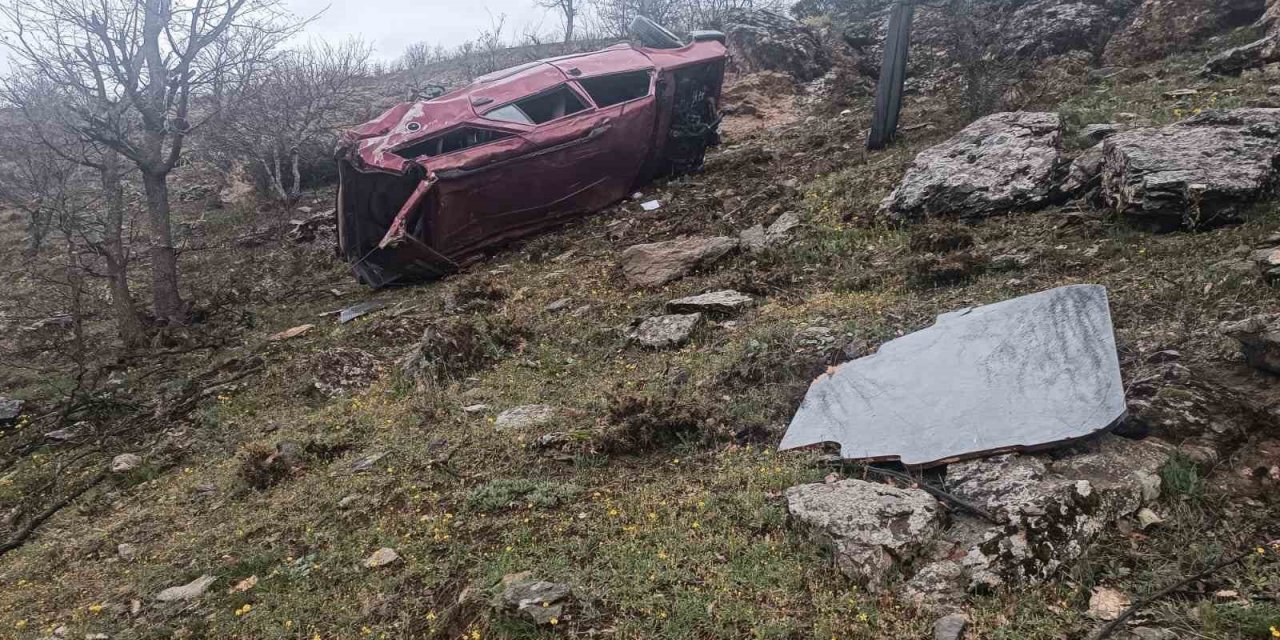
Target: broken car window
point(610, 90)
point(456, 140)
point(544, 107)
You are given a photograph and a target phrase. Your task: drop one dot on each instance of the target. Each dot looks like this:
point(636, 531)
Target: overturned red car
point(429, 184)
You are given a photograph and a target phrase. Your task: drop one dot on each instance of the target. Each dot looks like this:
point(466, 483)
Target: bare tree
point(568, 10)
point(299, 103)
point(48, 160)
point(132, 70)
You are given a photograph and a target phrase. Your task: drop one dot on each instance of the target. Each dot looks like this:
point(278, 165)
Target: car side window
point(617, 88)
point(450, 141)
point(540, 108)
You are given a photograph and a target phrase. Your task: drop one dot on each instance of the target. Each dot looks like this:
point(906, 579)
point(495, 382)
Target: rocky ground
point(577, 436)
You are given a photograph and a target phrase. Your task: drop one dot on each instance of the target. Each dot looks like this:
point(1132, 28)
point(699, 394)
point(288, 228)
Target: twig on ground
point(1140, 604)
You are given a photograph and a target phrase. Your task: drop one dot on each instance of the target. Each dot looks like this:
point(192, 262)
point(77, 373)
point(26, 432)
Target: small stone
point(1009, 262)
point(558, 305)
point(753, 239)
point(189, 591)
point(1147, 518)
point(125, 463)
point(651, 265)
point(950, 627)
point(1150, 633)
point(664, 332)
point(725, 302)
point(96, 636)
point(382, 557)
point(10, 411)
point(244, 585)
point(475, 408)
point(1107, 604)
point(538, 601)
point(781, 227)
point(1259, 338)
point(348, 501)
point(366, 463)
point(526, 416)
point(291, 333)
point(126, 551)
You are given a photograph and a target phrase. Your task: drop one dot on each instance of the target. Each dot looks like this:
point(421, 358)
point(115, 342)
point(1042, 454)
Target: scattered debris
point(665, 332)
point(126, 552)
point(537, 601)
point(189, 591)
point(526, 416)
point(1148, 518)
point(291, 333)
point(651, 265)
point(727, 302)
point(651, 205)
point(382, 557)
point(978, 381)
point(359, 310)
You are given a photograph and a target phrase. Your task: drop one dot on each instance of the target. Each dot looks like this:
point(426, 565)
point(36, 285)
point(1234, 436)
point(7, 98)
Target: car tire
point(654, 35)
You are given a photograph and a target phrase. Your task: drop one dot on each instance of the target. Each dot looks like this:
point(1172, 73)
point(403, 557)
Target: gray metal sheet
point(1020, 374)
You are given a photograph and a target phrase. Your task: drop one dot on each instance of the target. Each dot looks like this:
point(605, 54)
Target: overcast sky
point(390, 25)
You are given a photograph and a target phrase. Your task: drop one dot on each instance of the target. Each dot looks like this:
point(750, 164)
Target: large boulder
point(766, 41)
point(873, 529)
point(1259, 338)
point(1196, 173)
point(1001, 163)
point(1045, 28)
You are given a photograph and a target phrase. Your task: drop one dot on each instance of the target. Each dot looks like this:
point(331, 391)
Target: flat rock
point(978, 381)
point(1259, 338)
point(1107, 604)
point(526, 416)
point(538, 601)
point(1001, 163)
point(950, 627)
point(651, 265)
point(665, 332)
point(126, 552)
point(1095, 133)
point(1197, 173)
point(189, 591)
point(365, 463)
point(874, 529)
point(727, 302)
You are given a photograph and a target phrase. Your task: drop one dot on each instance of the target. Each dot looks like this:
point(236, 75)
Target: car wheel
point(654, 35)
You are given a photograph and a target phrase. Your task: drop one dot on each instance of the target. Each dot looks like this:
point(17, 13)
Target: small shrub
point(459, 346)
point(932, 270)
point(1180, 477)
point(518, 492)
point(639, 424)
point(263, 466)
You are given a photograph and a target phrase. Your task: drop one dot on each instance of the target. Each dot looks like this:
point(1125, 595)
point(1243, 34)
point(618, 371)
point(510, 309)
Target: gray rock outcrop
point(1259, 338)
point(1263, 51)
point(1001, 163)
point(537, 601)
point(873, 529)
point(1196, 173)
point(766, 41)
point(1160, 27)
point(727, 302)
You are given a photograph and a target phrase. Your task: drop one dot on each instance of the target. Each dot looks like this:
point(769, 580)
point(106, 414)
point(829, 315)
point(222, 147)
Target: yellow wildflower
point(95, 608)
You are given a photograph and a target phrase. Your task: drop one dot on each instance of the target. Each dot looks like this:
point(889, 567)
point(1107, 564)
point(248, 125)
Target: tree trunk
point(297, 175)
point(569, 12)
point(164, 260)
point(274, 172)
point(128, 323)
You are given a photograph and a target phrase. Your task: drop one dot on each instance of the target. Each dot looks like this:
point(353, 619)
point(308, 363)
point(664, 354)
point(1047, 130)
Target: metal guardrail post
point(893, 74)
